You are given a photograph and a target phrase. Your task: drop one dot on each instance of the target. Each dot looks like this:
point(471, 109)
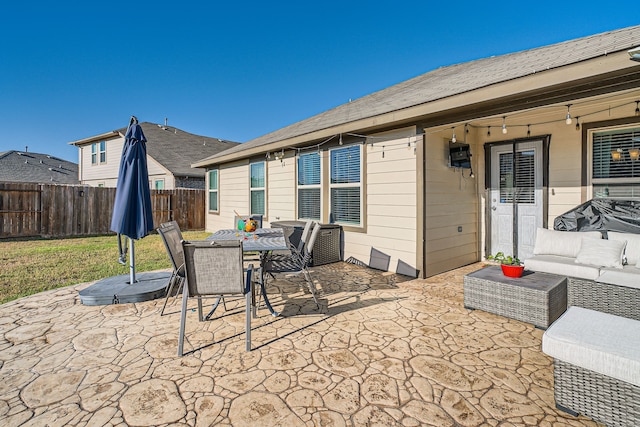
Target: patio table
point(538, 298)
point(263, 240)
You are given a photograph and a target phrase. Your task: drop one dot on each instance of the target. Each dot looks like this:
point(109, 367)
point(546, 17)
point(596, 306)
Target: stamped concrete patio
point(382, 350)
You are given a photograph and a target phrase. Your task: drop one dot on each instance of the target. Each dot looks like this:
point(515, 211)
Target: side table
point(537, 298)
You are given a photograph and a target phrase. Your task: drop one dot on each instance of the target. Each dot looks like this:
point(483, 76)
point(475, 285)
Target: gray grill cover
point(600, 215)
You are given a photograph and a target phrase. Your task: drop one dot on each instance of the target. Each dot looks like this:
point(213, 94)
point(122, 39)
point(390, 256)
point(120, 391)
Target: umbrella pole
point(132, 263)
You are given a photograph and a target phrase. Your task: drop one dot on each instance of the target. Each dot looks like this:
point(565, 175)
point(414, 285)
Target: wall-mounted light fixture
point(616, 155)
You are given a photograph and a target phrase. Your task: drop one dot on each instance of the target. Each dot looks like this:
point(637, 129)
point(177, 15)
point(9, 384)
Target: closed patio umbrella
point(132, 215)
point(132, 218)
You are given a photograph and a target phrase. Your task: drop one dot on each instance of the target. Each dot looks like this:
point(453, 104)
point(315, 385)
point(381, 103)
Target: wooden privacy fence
point(48, 210)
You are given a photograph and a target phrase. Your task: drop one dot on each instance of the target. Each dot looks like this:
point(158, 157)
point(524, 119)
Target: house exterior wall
point(233, 190)
point(390, 200)
point(451, 206)
point(281, 189)
point(389, 186)
point(565, 190)
point(106, 174)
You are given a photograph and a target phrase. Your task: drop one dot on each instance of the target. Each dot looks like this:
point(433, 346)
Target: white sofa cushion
point(632, 251)
point(602, 253)
point(563, 266)
point(628, 276)
point(599, 342)
point(561, 243)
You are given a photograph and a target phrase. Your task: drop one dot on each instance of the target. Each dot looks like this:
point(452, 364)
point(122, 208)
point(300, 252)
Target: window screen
point(213, 190)
point(615, 163)
point(257, 188)
point(517, 181)
point(345, 185)
point(309, 189)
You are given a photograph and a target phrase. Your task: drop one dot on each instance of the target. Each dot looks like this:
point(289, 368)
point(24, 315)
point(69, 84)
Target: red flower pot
point(512, 270)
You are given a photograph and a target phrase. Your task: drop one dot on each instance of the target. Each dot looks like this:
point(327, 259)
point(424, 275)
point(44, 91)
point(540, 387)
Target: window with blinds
point(345, 184)
point(616, 163)
point(517, 177)
point(309, 189)
point(213, 190)
point(258, 183)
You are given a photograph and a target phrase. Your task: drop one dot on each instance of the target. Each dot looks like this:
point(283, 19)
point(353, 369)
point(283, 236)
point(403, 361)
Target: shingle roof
point(20, 166)
point(176, 149)
point(456, 79)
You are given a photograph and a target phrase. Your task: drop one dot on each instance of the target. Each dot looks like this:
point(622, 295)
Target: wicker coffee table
point(537, 298)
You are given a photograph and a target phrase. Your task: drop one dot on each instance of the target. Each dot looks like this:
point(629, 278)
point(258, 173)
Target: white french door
point(515, 197)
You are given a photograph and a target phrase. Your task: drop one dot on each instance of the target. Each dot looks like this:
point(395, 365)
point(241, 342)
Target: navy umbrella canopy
point(132, 215)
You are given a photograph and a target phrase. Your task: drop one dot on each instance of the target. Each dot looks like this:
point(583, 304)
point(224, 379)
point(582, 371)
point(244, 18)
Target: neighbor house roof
point(22, 166)
point(449, 81)
point(173, 148)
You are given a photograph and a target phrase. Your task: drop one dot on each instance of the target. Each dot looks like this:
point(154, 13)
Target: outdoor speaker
point(459, 155)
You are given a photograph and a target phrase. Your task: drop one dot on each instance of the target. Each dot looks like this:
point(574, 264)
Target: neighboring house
point(548, 129)
point(25, 166)
point(170, 152)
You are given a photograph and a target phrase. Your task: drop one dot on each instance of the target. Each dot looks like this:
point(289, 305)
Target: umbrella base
point(117, 290)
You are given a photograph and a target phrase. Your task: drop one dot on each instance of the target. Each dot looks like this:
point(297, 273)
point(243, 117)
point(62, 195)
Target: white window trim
point(360, 185)
point(313, 186)
point(591, 181)
point(97, 153)
point(216, 190)
point(252, 189)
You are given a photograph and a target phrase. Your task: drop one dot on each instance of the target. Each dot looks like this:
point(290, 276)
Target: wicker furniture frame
point(538, 298)
point(613, 299)
point(605, 399)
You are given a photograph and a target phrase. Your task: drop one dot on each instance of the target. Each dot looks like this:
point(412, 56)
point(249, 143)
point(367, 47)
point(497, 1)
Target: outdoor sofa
point(602, 274)
point(595, 344)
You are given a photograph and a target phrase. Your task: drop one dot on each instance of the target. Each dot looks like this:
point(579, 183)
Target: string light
point(340, 142)
point(528, 130)
point(383, 151)
point(453, 138)
point(369, 139)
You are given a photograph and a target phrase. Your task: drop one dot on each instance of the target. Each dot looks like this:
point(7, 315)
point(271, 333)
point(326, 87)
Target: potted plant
point(511, 265)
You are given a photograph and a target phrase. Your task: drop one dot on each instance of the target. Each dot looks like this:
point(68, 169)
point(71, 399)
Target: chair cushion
point(601, 253)
point(632, 250)
point(628, 276)
point(599, 342)
point(564, 266)
point(561, 243)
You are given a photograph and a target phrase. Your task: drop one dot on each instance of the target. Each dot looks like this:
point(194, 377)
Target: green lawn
point(35, 265)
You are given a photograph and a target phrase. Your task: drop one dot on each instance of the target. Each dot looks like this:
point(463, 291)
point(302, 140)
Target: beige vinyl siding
point(103, 172)
point(157, 171)
point(234, 195)
point(107, 173)
point(391, 210)
point(450, 202)
point(281, 188)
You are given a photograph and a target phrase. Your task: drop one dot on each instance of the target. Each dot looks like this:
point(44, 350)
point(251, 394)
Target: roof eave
point(103, 136)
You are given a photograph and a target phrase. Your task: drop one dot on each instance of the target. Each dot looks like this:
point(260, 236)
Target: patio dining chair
point(172, 238)
point(296, 263)
point(215, 269)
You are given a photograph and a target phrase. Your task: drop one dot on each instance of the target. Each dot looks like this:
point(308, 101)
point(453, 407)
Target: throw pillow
point(632, 250)
point(561, 243)
point(601, 253)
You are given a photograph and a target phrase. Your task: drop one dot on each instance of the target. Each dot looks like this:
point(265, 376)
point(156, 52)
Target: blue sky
point(70, 70)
